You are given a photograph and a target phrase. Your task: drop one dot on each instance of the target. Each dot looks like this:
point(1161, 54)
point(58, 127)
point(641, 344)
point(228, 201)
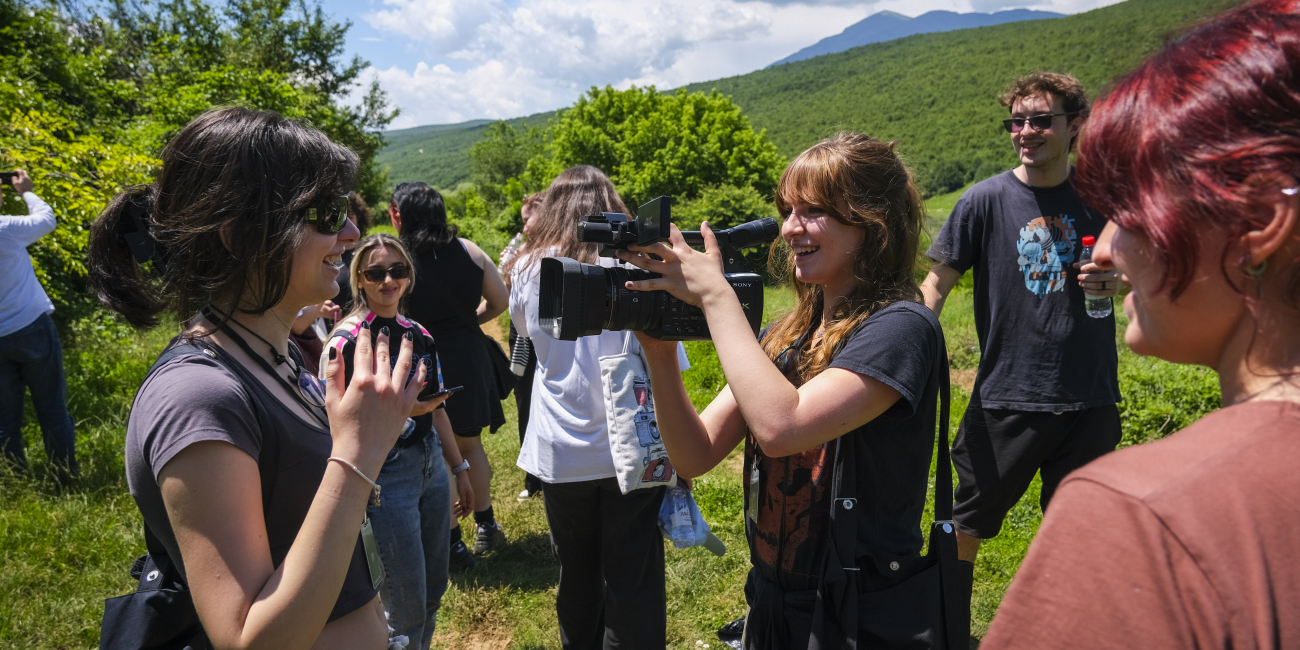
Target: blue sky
point(445, 61)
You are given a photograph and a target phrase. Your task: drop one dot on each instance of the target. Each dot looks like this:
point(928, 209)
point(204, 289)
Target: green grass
point(65, 551)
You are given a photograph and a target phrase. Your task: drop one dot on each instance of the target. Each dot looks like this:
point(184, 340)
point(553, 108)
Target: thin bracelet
point(374, 496)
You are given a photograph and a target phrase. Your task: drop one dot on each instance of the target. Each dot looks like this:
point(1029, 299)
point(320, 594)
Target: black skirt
point(465, 362)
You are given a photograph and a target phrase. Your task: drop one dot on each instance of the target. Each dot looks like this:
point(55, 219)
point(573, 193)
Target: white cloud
point(507, 58)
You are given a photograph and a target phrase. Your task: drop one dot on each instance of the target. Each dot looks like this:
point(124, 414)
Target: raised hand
point(367, 415)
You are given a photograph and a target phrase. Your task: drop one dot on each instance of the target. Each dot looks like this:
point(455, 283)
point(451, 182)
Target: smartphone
point(422, 397)
point(7, 178)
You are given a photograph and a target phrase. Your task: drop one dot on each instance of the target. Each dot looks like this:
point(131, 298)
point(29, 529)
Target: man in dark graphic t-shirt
point(1046, 391)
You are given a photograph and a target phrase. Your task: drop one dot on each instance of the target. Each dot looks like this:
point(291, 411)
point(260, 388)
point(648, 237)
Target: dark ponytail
point(115, 269)
point(223, 221)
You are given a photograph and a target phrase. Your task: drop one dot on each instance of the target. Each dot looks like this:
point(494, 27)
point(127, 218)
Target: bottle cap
point(1089, 240)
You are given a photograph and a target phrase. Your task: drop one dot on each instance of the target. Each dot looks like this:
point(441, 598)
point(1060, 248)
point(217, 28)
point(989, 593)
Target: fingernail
point(384, 330)
point(334, 352)
point(365, 324)
point(407, 336)
point(628, 285)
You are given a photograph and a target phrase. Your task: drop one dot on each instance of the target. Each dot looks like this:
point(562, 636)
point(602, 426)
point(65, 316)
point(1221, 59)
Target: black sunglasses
point(376, 274)
point(331, 218)
point(1041, 122)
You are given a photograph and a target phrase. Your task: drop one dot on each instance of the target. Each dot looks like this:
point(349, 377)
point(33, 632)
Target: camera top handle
point(731, 240)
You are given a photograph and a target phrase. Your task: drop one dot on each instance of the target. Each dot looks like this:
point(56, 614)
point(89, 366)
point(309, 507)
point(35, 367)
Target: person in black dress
point(457, 289)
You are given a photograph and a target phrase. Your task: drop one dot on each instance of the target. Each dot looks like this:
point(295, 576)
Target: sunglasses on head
point(331, 218)
point(1041, 122)
point(377, 274)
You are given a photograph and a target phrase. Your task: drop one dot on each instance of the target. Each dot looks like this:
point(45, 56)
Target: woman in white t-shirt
point(610, 549)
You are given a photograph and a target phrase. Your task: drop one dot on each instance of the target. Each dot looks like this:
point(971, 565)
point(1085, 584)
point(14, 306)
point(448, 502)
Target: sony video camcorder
point(583, 299)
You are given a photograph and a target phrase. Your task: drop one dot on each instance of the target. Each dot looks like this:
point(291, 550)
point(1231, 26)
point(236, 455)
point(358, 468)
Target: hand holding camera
point(583, 299)
point(689, 275)
point(19, 179)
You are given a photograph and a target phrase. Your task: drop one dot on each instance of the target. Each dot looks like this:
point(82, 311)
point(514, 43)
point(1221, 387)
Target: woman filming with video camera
point(841, 389)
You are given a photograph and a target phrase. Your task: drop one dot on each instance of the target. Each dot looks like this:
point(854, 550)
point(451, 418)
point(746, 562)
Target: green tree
point(89, 94)
point(499, 156)
point(651, 143)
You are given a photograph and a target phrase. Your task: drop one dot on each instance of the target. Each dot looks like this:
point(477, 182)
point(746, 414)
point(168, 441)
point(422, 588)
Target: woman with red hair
point(1191, 541)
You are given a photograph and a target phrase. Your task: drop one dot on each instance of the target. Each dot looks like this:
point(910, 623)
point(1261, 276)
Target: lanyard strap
point(243, 345)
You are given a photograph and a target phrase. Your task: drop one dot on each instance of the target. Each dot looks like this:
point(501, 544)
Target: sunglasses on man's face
point(331, 218)
point(377, 274)
point(1040, 122)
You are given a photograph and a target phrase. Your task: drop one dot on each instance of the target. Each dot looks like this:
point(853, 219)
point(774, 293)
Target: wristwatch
point(463, 466)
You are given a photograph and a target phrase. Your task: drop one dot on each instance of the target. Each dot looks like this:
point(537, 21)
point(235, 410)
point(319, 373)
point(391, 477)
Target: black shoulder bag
point(160, 614)
point(872, 599)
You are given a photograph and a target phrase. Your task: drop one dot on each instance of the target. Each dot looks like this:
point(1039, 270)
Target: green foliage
point(76, 172)
point(652, 143)
point(723, 206)
point(90, 94)
point(501, 155)
point(937, 93)
point(934, 93)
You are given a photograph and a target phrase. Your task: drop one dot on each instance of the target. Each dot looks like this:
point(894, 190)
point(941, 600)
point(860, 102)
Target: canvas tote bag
point(640, 459)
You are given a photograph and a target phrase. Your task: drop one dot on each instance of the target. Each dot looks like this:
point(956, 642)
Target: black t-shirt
point(1039, 349)
point(422, 346)
point(896, 346)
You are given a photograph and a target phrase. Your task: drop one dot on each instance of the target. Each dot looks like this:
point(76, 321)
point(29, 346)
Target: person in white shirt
point(31, 357)
point(611, 553)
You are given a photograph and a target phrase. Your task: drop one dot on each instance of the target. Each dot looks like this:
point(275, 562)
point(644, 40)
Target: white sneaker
point(527, 494)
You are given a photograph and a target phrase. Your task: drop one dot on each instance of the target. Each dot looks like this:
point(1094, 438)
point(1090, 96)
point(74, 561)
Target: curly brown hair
point(1051, 85)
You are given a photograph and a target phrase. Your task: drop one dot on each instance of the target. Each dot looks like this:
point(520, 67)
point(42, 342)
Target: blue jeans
point(412, 529)
point(32, 358)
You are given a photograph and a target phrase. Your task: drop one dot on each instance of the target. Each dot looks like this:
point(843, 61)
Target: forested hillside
point(936, 93)
point(438, 154)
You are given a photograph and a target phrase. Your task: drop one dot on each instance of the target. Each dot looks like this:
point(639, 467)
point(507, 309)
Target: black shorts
point(997, 453)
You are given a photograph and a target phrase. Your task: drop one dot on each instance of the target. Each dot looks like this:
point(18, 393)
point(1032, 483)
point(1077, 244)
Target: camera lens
point(581, 299)
point(626, 309)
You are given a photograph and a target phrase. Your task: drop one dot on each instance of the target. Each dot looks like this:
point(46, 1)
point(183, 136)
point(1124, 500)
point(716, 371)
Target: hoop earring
point(1256, 271)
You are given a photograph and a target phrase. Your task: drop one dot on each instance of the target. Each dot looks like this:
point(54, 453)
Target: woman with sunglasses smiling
point(411, 526)
point(252, 477)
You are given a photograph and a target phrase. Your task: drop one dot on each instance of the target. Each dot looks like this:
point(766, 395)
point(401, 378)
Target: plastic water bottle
point(1097, 306)
point(683, 524)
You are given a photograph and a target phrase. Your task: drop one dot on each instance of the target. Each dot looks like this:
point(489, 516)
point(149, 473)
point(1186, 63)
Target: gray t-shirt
point(1039, 349)
point(195, 398)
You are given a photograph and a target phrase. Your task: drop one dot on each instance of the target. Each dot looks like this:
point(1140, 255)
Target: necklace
point(310, 391)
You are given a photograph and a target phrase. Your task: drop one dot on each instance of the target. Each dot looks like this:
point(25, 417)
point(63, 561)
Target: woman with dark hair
point(611, 553)
point(457, 289)
point(851, 372)
point(251, 476)
point(1190, 541)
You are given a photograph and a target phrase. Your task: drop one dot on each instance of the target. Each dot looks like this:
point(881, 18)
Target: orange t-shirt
point(1188, 542)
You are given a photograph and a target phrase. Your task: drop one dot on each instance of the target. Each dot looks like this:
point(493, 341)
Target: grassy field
point(64, 551)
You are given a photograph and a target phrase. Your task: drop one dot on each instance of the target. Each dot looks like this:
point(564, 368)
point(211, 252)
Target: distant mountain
point(887, 26)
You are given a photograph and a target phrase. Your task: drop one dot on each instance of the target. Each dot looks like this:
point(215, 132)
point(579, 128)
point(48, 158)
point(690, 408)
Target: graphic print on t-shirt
point(1046, 249)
